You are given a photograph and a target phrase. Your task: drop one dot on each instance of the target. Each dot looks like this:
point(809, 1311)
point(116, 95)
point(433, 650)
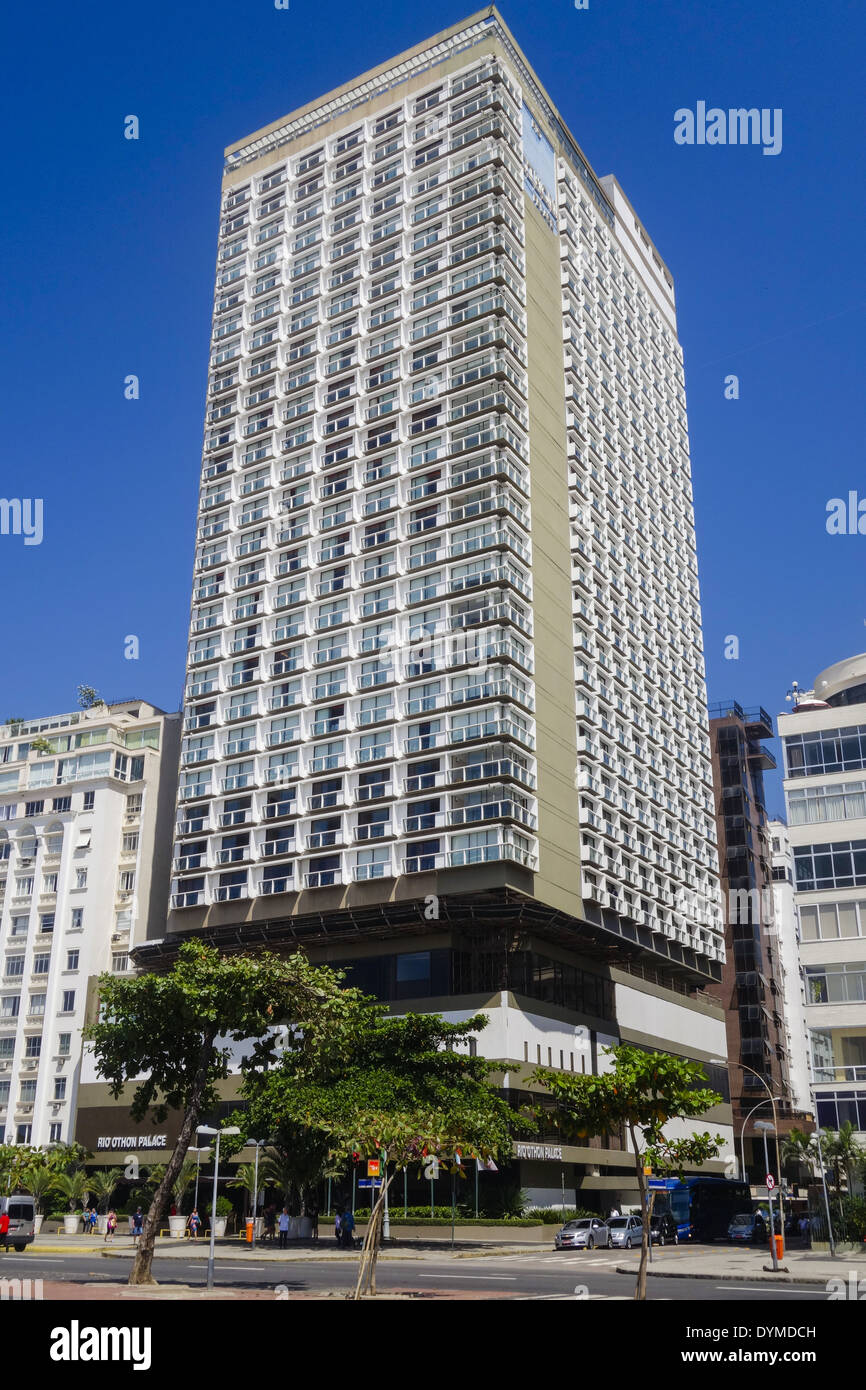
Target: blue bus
point(702, 1207)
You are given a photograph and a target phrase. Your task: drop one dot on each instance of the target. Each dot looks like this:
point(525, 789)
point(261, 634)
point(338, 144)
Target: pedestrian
point(4, 1231)
point(284, 1229)
point(193, 1223)
point(314, 1224)
point(94, 1220)
point(338, 1220)
point(614, 1211)
point(137, 1225)
point(347, 1227)
point(110, 1225)
point(172, 1211)
point(270, 1223)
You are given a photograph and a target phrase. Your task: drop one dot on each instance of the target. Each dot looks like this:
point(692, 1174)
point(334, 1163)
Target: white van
point(22, 1226)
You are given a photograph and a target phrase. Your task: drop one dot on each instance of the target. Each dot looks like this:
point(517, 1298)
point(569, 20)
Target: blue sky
point(108, 270)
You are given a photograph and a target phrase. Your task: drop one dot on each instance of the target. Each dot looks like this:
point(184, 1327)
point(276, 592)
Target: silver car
point(585, 1233)
point(625, 1231)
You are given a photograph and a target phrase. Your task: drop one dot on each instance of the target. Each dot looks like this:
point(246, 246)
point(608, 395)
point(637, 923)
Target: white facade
point(824, 740)
point(82, 874)
point(361, 698)
point(786, 928)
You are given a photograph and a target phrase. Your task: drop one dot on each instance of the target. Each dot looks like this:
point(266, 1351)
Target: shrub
point(556, 1216)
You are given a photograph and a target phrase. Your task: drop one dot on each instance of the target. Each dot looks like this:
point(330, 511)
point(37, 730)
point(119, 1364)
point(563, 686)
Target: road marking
point(511, 1278)
point(257, 1269)
point(42, 1259)
point(762, 1288)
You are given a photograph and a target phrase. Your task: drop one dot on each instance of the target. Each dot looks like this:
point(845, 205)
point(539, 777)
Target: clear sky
point(109, 249)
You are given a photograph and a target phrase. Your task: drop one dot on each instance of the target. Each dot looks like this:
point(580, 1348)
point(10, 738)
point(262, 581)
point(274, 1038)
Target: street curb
point(731, 1278)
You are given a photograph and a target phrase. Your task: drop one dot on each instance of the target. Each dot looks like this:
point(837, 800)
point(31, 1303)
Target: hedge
point(399, 1220)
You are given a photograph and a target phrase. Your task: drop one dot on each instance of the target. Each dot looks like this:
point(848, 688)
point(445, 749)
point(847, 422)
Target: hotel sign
point(131, 1141)
point(549, 1152)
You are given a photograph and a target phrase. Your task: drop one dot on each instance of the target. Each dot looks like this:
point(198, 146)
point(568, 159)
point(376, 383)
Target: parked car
point(625, 1231)
point(22, 1227)
point(748, 1226)
point(585, 1233)
point(663, 1229)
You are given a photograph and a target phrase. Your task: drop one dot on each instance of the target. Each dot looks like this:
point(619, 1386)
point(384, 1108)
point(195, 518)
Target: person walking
point(270, 1222)
point(4, 1231)
point(110, 1225)
point(347, 1227)
point(314, 1224)
point(338, 1221)
point(193, 1223)
point(137, 1225)
point(284, 1229)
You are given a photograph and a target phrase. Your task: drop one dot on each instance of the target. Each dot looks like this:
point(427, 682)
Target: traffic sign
point(771, 1182)
point(374, 1167)
point(369, 1182)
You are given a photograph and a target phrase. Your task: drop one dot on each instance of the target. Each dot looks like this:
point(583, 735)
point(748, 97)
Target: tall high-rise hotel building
point(445, 704)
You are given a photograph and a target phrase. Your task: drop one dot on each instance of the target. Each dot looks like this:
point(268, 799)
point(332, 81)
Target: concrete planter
point(176, 1227)
point(102, 1224)
point(71, 1224)
point(37, 1222)
point(220, 1227)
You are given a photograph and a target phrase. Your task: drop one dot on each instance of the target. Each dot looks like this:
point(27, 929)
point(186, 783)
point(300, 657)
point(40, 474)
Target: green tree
point(797, 1151)
point(73, 1187)
point(173, 1030)
point(642, 1092)
point(88, 697)
point(844, 1154)
point(183, 1182)
point(103, 1183)
point(15, 1159)
point(408, 1093)
point(245, 1178)
point(40, 1182)
point(64, 1158)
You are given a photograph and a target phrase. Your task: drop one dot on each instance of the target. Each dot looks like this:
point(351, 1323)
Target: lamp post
point(207, 1129)
point(824, 1186)
point(198, 1152)
point(720, 1062)
point(743, 1135)
point(764, 1125)
point(259, 1143)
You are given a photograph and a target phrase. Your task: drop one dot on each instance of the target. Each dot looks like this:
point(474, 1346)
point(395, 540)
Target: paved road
point(536, 1275)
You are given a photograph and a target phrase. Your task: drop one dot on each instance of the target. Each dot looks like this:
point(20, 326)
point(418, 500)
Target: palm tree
point(183, 1181)
point(103, 1185)
point(75, 1187)
point(155, 1174)
point(248, 1180)
point(39, 1181)
point(845, 1154)
point(798, 1150)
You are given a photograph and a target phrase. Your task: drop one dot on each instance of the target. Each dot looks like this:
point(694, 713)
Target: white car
point(584, 1233)
point(625, 1231)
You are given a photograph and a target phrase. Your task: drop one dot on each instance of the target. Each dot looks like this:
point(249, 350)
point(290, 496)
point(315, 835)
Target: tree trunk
point(640, 1286)
point(369, 1254)
point(141, 1265)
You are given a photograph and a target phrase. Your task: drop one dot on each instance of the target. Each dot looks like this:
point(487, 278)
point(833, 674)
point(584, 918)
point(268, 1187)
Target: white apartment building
point(785, 927)
point(445, 659)
point(85, 818)
point(362, 678)
point(824, 740)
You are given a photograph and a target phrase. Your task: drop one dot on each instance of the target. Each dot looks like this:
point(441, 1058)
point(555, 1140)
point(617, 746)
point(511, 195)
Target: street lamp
point(205, 1149)
point(764, 1125)
point(743, 1134)
point(824, 1186)
point(207, 1129)
point(259, 1144)
point(720, 1062)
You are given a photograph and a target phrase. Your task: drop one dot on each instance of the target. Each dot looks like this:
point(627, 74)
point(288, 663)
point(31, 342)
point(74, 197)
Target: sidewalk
point(234, 1250)
point(754, 1263)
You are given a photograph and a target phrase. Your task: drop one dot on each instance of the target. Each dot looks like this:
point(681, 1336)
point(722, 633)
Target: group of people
point(344, 1228)
point(275, 1222)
